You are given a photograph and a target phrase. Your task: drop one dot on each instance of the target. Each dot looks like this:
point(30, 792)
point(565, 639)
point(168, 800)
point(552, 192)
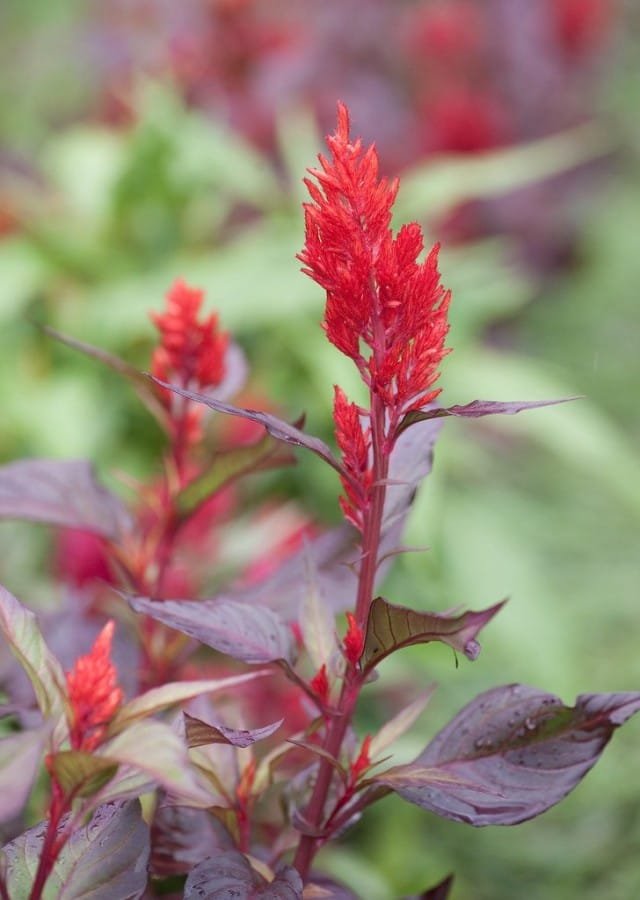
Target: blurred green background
point(141, 142)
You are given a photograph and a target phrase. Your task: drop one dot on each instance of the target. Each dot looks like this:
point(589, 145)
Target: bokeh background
point(142, 140)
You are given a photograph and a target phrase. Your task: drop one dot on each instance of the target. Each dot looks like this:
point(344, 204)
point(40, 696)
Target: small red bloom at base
point(353, 641)
point(363, 760)
point(94, 694)
point(319, 684)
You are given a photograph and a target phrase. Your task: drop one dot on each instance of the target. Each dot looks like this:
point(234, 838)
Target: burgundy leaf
point(475, 410)
point(276, 427)
point(253, 634)
point(104, 860)
point(200, 733)
point(182, 837)
point(229, 874)
point(510, 754)
point(61, 492)
point(391, 627)
point(440, 891)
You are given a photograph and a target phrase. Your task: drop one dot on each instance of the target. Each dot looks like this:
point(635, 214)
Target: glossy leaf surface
point(391, 627)
point(104, 860)
point(252, 634)
point(229, 875)
point(510, 754)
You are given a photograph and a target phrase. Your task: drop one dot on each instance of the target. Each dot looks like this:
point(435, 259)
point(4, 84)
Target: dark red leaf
point(61, 492)
point(182, 837)
point(510, 754)
point(253, 634)
point(391, 627)
point(229, 874)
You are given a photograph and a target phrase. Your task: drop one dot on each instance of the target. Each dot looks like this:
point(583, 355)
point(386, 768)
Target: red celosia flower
point(94, 694)
point(363, 761)
point(191, 352)
point(353, 641)
point(378, 295)
point(319, 684)
point(355, 444)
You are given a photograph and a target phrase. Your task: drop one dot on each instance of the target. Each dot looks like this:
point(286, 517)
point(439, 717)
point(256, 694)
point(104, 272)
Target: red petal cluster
point(355, 444)
point(191, 352)
point(94, 694)
point(319, 684)
point(353, 642)
point(378, 295)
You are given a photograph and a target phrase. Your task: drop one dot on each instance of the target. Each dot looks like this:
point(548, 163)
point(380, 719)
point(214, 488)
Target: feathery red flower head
point(94, 694)
point(378, 295)
point(191, 352)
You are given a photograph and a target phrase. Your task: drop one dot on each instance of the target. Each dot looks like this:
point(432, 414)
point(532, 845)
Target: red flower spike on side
point(94, 694)
point(379, 296)
point(363, 760)
point(191, 352)
point(355, 444)
point(319, 684)
point(353, 642)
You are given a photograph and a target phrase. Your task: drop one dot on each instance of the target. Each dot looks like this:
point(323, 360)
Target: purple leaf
point(391, 627)
point(333, 556)
point(440, 891)
point(200, 733)
point(510, 754)
point(20, 756)
point(475, 410)
point(229, 874)
point(61, 492)
point(182, 837)
point(276, 427)
point(103, 860)
point(252, 634)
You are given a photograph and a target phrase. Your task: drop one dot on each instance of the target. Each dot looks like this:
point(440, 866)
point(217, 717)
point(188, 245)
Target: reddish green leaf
point(253, 634)
point(510, 754)
point(61, 492)
point(390, 628)
point(82, 774)
point(200, 733)
point(229, 874)
point(399, 724)
point(20, 628)
point(226, 467)
point(104, 860)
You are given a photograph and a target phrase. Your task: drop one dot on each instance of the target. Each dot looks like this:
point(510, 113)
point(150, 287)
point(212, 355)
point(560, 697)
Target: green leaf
point(398, 725)
point(317, 621)
point(20, 628)
point(81, 774)
point(168, 694)
point(105, 860)
point(390, 628)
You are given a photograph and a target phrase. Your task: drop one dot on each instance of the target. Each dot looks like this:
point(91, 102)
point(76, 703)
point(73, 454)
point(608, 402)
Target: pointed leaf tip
point(510, 754)
point(391, 627)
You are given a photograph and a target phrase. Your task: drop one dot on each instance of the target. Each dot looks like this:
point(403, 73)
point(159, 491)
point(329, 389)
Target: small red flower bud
point(94, 694)
point(353, 642)
point(319, 684)
point(363, 760)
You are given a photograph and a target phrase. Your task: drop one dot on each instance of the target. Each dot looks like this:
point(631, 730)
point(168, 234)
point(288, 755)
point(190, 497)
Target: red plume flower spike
point(353, 642)
point(385, 309)
point(94, 694)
